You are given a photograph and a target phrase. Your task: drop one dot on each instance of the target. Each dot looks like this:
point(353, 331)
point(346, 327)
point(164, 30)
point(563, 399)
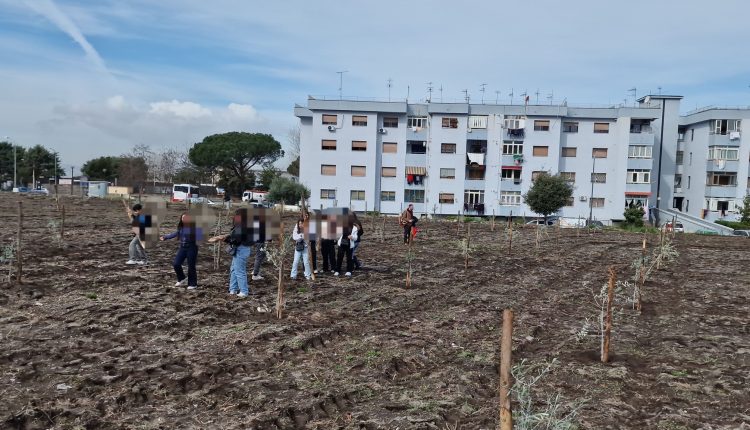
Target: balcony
point(722, 165)
point(642, 138)
point(476, 159)
point(514, 134)
point(729, 191)
point(729, 139)
point(511, 184)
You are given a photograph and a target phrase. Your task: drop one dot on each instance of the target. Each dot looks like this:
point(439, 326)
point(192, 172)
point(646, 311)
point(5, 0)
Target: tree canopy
point(287, 191)
point(102, 168)
point(234, 154)
point(293, 167)
point(36, 162)
point(548, 194)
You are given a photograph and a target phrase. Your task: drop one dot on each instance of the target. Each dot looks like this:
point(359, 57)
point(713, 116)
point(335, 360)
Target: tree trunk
point(608, 316)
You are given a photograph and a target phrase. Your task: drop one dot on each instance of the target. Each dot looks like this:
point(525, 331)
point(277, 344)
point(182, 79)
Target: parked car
point(678, 227)
point(743, 233)
point(40, 191)
point(20, 190)
point(541, 222)
point(203, 201)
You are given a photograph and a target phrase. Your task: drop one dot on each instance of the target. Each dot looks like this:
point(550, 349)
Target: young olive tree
point(548, 194)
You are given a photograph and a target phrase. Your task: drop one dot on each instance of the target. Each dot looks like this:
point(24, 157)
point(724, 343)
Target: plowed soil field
point(89, 342)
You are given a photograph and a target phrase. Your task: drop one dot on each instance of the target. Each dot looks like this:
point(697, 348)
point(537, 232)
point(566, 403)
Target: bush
point(288, 191)
point(634, 216)
point(734, 224)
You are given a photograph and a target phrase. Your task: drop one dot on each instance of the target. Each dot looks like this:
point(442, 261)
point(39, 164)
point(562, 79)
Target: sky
point(97, 77)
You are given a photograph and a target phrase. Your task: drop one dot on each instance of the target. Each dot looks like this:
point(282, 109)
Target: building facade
point(479, 159)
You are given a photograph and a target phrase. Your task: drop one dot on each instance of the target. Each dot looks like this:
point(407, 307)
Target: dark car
point(742, 233)
point(594, 224)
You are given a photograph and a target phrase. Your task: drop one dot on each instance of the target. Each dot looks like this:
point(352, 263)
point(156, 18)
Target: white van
point(255, 196)
point(182, 192)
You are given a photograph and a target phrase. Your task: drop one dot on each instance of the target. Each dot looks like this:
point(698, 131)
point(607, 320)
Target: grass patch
point(91, 296)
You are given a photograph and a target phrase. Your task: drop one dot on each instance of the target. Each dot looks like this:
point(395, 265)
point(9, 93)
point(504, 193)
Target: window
point(390, 122)
point(328, 145)
point(448, 148)
point(601, 127)
point(475, 172)
point(722, 179)
point(416, 122)
point(447, 198)
point(357, 195)
point(640, 126)
point(725, 126)
point(597, 202)
point(329, 119)
point(510, 198)
point(447, 173)
point(677, 181)
point(450, 122)
point(390, 147)
point(359, 145)
point(512, 148)
point(478, 121)
point(540, 151)
point(678, 159)
point(328, 169)
point(569, 152)
point(536, 173)
point(599, 178)
point(511, 175)
point(570, 202)
point(388, 196)
point(359, 120)
point(541, 125)
point(416, 147)
point(414, 196)
point(599, 152)
point(570, 127)
point(568, 176)
point(388, 172)
point(639, 176)
point(359, 171)
point(688, 182)
point(474, 197)
point(328, 194)
point(639, 151)
point(692, 134)
point(514, 122)
point(723, 153)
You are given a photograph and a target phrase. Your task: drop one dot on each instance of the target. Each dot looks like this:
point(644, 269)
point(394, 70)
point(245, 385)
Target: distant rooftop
point(659, 96)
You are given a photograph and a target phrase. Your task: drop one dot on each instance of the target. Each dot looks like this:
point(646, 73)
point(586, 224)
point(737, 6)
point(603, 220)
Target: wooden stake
point(19, 259)
point(466, 251)
point(382, 231)
point(280, 287)
point(506, 415)
point(493, 220)
point(510, 237)
point(62, 223)
point(608, 317)
point(641, 277)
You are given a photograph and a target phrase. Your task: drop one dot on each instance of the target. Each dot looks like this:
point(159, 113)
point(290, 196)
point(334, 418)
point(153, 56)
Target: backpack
point(360, 232)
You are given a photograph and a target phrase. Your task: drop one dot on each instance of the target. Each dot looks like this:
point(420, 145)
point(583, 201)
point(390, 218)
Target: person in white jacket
point(300, 251)
point(345, 249)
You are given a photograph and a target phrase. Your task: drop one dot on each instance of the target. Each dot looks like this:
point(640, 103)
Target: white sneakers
point(141, 262)
point(181, 283)
point(233, 293)
point(131, 262)
point(336, 274)
point(242, 295)
point(257, 278)
point(349, 274)
point(315, 271)
point(192, 287)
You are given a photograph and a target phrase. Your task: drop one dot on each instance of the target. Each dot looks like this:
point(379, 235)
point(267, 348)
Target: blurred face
point(411, 207)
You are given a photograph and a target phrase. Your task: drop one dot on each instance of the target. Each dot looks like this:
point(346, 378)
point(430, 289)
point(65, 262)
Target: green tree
point(38, 163)
point(745, 210)
point(6, 160)
point(548, 194)
point(267, 176)
point(102, 168)
point(287, 191)
point(293, 167)
point(634, 216)
point(234, 154)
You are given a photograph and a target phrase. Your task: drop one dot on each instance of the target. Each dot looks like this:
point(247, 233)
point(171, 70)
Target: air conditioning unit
point(734, 135)
point(381, 130)
point(583, 198)
point(331, 128)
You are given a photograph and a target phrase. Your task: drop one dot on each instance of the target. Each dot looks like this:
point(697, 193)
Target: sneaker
point(315, 271)
point(241, 295)
point(335, 273)
point(349, 274)
point(141, 262)
point(131, 262)
point(233, 293)
point(181, 283)
point(192, 287)
point(257, 278)
point(309, 278)
point(293, 278)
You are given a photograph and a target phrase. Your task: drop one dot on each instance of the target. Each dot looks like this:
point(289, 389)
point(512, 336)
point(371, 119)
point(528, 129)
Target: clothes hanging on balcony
point(475, 158)
point(409, 179)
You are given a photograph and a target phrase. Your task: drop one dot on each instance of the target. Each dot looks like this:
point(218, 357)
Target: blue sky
point(91, 78)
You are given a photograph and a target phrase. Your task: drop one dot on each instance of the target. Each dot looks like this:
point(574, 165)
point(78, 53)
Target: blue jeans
point(189, 252)
point(305, 262)
point(355, 245)
point(238, 270)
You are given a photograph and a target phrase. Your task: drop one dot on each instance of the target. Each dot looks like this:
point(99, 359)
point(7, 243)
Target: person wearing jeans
point(300, 252)
point(136, 253)
point(260, 257)
point(345, 242)
point(238, 271)
point(189, 234)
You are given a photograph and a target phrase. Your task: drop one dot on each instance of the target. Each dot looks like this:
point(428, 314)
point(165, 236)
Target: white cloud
point(49, 10)
point(243, 111)
point(180, 109)
point(116, 102)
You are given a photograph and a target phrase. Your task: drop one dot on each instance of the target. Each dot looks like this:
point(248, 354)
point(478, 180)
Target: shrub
point(737, 225)
point(634, 216)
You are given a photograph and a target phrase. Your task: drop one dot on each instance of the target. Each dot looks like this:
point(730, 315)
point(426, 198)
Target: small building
point(98, 189)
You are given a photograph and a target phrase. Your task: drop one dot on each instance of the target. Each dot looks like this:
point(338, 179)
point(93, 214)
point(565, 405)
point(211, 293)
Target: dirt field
point(88, 342)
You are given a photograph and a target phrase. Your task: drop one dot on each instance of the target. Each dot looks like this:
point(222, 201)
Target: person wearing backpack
point(407, 220)
point(357, 231)
point(300, 252)
point(240, 241)
point(345, 242)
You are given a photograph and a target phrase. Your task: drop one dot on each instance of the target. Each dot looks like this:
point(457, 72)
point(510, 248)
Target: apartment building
point(479, 159)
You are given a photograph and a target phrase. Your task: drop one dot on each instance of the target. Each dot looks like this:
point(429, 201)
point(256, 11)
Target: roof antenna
point(550, 96)
point(633, 91)
point(390, 84)
point(429, 91)
point(341, 82)
point(441, 93)
point(511, 96)
point(466, 95)
point(482, 91)
point(497, 96)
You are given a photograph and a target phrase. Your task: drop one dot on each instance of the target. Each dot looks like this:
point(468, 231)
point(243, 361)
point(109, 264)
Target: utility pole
point(591, 196)
point(497, 96)
point(390, 84)
point(341, 83)
point(466, 95)
point(429, 92)
point(71, 180)
point(482, 91)
point(537, 95)
point(511, 96)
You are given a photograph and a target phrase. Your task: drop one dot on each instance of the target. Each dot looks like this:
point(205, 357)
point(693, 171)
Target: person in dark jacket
point(407, 220)
point(345, 242)
point(135, 249)
point(240, 238)
point(189, 235)
point(357, 232)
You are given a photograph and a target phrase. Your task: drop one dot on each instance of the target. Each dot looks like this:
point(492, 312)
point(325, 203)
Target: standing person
point(135, 249)
point(407, 220)
point(227, 200)
point(328, 249)
point(300, 251)
point(188, 234)
point(357, 232)
point(260, 257)
point(313, 243)
point(345, 242)
point(241, 241)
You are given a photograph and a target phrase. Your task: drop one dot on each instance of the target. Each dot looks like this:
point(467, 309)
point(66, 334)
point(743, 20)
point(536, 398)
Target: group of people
point(240, 243)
